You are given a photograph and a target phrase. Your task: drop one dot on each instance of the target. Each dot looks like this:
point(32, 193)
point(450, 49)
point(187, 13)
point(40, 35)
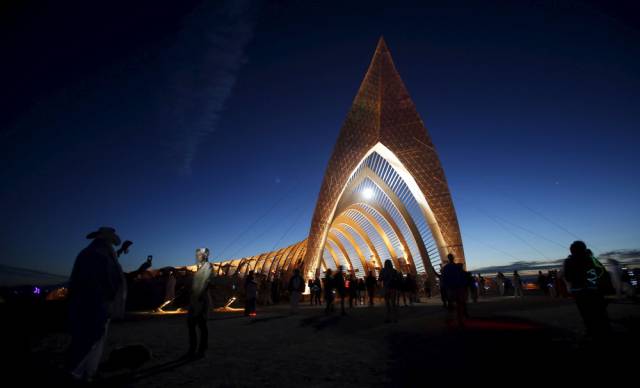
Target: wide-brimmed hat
point(106, 233)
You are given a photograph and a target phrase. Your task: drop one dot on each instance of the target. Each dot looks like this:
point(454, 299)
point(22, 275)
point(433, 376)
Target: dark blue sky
point(209, 124)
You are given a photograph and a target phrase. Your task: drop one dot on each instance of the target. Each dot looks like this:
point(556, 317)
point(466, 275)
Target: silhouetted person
point(454, 281)
point(542, 283)
point(296, 288)
point(500, 280)
point(427, 287)
point(362, 292)
point(251, 294)
point(317, 287)
point(517, 285)
point(341, 289)
point(95, 281)
point(199, 305)
point(443, 291)
point(352, 289)
point(170, 287)
point(371, 284)
point(328, 291)
point(275, 290)
point(481, 285)
point(584, 274)
point(391, 282)
point(472, 286)
point(146, 265)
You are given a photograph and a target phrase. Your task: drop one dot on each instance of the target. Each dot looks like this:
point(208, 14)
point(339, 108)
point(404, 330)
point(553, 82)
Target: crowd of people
point(98, 291)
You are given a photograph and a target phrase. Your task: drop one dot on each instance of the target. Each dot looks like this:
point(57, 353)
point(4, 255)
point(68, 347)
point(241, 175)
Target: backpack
point(604, 283)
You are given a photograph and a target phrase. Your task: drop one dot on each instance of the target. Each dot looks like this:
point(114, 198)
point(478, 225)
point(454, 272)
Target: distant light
point(367, 193)
point(36, 291)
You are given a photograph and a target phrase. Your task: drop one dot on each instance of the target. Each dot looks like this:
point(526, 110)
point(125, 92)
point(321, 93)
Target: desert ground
point(529, 338)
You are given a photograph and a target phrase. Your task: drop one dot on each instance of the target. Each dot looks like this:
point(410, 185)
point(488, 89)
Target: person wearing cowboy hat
point(95, 283)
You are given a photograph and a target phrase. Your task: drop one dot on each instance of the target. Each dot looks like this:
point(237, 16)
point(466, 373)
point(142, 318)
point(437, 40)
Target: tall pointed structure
point(383, 117)
point(384, 194)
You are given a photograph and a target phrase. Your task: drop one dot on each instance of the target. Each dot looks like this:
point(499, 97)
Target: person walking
point(586, 277)
point(391, 282)
point(370, 283)
point(251, 294)
point(542, 283)
point(296, 288)
point(328, 291)
point(352, 289)
point(317, 288)
point(362, 292)
point(517, 285)
point(338, 283)
point(96, 280)
point(454, 283)
point(481, 285)
point(198, 312)
point(275, 290)
point(427, 287)
point(500, 280)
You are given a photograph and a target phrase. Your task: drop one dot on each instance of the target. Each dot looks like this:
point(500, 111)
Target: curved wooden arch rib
point(341, 229)
point(350, 198)
point(355, 226)
point(333, 255)
point(345, 254)
point(387, 217)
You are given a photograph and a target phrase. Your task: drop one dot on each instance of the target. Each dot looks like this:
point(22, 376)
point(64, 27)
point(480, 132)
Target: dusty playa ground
point(504, 336)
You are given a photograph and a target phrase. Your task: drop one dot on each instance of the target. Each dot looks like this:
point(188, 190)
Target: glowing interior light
point(367, 193)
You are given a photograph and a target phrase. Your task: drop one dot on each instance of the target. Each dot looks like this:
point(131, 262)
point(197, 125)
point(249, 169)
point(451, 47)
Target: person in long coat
point(96, 280)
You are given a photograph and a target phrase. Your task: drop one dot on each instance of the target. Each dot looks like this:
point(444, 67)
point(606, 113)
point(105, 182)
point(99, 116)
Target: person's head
point(340, 268)
point(578, 249)
point(451, 257)
point(202, 255)
point(149, 258)
point(106, 234)
point(329, 272)
point(388, 265)
point(296, 272)
point(515, 273)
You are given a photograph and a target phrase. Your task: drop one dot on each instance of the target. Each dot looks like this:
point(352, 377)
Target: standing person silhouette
point(338, 283)
point(585, 275)
point(353, 290)
point(296, 288)
point(317, 287)
point(517, 285)
point(199, 305)
point(391, 282)
point(95, 282)
point(328, 291)
point(370, 283)
point(454, 283)
point(250, 294)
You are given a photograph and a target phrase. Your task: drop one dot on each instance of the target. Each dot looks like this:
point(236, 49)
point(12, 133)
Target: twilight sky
point(211, 123)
